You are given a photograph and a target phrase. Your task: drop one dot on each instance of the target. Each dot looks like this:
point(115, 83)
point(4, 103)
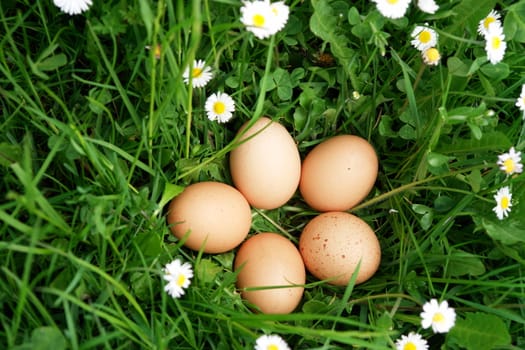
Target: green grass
point(97, 135)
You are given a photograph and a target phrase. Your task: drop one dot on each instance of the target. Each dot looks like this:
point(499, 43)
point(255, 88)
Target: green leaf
point(140, 284)
point(464, 263)
point(468, 13)
point(147, 17)
point(149, 243)
point(362, 30)
point(408, 72)
point(296, 76)
point(170, 191)
point(462, 114)
point(421, 209)
point(9, 153)
point(48, 338)
point(496, 71)
point(97, 99)
point(514, 23)
point(353, 16)
point(443, 204)
point(206, 270)
point(324, 24)
point(487, 85)
point(480, 331)
point(507, 231)
point(476, 131)
point(437, 159)
point(315, 306)
point(384, 322)
point(457, 67)
point(53, 62)
point(385, 126)
point(474, 179)
point(283, 82)
point(490, 141)
point(427, 215)
point(407, 132)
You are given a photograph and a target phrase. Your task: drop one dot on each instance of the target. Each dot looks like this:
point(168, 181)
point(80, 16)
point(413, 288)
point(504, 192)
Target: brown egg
point(332, 245)
point(214, 215)
point(266, 167)
point(338, 173)
point(270, 260)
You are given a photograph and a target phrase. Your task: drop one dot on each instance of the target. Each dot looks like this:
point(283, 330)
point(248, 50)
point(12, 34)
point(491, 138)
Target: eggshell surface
point(338, 173)
point(266, 260)
point(266, 167)
point(214, 215)
point(332, 245)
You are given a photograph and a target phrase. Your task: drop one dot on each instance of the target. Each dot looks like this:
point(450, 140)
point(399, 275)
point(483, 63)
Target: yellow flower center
point(488, 21)
point(196, 72)
point(438, 317)
point(432, 54)
point(258, 20)
point(392, 2)
point(496, 42)
point(425, 36)
point(157, 51)
point(219, 107)
point(180, 280)
point(272, 347)
point(410, 346)
point(509, 166)
point(505, 203)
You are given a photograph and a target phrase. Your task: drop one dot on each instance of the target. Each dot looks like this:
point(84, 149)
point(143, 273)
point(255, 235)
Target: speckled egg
point(270, 261)
point(211, 216)
point(266, 166)
point(338, 173)
point(332, 244)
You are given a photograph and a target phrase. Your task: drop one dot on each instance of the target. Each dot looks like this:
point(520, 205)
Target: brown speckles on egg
point(345, 240)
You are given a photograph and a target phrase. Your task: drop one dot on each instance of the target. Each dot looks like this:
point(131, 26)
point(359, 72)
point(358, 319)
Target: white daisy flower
point(412, 341)
point(220, 107)
point(271, 342)
point(495, 44)
point(520, 102)
point(438, 315)
point(424, 38)
point(281, 12)
point(428, 6)
point(178, 276)
point(200, 74)
point(259, 18)
point(503, 202)
point(431, 56)
point(392, 8)
point(492, 20)
point(73, 7)
point(510, 162)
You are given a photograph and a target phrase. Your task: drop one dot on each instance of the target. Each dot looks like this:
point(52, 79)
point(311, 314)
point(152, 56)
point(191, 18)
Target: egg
point(332, 244)
point(266, 166)
point(214, 216)
point(269, 260)
point(338, 173)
